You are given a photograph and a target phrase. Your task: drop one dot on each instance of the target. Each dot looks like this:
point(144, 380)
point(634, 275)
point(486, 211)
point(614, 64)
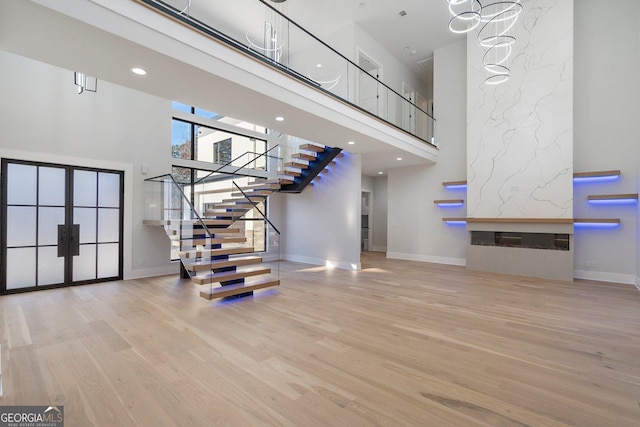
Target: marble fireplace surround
point(540, 263)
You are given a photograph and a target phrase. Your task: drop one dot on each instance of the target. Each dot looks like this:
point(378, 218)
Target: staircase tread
point(289, 172)
point(240, 288)
point(297, 165)
point(198, 242)
point(207, 253)
point(206, 221)
point(225, 214)
point(228, 206)
point(304, 156)
point(199, 232)
point(204, 265)
point(254, 193)
point(231, 275)
point(312, 147)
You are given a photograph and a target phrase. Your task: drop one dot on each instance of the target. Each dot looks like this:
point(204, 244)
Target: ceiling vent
point(402, 13)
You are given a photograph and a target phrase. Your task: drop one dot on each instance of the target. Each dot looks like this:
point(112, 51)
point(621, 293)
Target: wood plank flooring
point(397, 344)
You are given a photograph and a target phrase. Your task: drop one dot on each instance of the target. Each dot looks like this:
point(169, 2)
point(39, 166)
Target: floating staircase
point(213, 250)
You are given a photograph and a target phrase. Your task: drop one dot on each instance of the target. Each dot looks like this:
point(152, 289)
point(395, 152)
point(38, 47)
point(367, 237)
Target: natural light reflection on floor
point(373, 270)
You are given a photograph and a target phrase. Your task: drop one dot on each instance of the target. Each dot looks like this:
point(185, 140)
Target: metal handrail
point(339, 54)
point(255, 205)
point(238, 167)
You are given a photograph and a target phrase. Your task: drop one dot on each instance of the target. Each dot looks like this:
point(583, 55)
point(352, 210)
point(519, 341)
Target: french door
point(61, 225)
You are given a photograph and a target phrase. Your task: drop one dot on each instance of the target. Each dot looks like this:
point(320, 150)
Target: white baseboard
point(379, 249)
point(603, 276)
point(345, 265)
point(427, 258)
point(141, 273)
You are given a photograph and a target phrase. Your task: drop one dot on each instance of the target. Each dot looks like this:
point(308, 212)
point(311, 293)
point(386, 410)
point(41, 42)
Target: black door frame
point(68, 262)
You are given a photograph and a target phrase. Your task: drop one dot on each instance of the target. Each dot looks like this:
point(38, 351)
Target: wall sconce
point(85, 83)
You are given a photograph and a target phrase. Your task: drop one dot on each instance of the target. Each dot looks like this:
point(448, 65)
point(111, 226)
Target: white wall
point(322, 224)
point(416, 230)
point(606, 111)
point(44, 119)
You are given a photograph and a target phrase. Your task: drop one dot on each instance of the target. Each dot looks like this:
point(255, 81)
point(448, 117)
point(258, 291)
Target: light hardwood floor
point(396, 344)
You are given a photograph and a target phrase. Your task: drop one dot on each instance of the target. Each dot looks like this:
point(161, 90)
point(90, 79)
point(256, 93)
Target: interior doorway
point(366, 221)
point(61, 225)
point(409, 108)
point(370, 92)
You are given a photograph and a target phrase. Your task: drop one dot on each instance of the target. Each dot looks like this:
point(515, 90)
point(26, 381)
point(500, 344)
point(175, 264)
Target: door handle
point(74, 240)
point(68, 240)
point(63, 239)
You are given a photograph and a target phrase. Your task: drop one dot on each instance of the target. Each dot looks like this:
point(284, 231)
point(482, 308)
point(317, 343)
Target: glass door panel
point(97, 199)
point(21, 226)
point(48, 221)
point(108, 260)
point(86, 219)
point(51, 186)
point(84, 265)
point(85, 188)
point(50, 266)
point(21, 268)
point(108, 190)
point(21, 184)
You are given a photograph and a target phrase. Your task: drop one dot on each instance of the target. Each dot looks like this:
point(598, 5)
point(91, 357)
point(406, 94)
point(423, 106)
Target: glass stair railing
point(218, 246)
point(258, 29)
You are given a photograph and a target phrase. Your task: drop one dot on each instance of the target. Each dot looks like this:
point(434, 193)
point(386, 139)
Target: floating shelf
point(522, 220)
point(455, 220)
point(449, 202)
point(455, 184)
point(590, 222)
point(596, 174)
point(613, 197)
point(596, 220)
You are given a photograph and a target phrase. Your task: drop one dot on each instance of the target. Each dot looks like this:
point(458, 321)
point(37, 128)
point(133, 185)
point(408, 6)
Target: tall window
point(195, 141)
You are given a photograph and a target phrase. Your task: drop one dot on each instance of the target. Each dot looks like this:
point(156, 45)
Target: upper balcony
point(242, 59)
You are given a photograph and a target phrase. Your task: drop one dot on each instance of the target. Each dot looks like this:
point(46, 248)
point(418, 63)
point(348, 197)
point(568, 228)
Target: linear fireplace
point(549, 241)
point(531, 247)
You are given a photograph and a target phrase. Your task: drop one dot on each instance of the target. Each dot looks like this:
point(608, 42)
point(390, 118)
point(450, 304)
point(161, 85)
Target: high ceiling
point(411, 36)
point(71, 45)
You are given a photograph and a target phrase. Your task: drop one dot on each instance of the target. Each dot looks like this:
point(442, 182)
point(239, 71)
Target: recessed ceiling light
point(351, 142)
point(279, 119)
point(399, 158)
point(319, 65)
point(380, 173)
point(139, 71)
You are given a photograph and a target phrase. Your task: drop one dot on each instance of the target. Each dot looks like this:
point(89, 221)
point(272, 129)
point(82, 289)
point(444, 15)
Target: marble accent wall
point(520, 133)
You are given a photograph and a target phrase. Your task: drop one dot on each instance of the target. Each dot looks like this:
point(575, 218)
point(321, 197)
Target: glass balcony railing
point(257, 28)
